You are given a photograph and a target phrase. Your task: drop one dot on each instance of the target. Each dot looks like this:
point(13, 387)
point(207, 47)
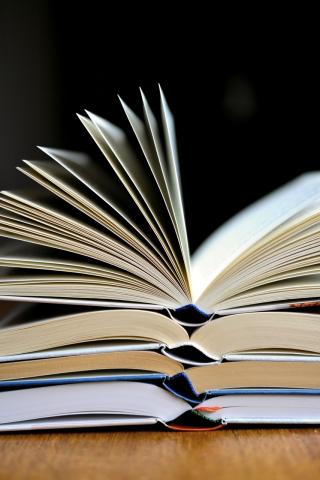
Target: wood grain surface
point(135, 454)
point(153, 453)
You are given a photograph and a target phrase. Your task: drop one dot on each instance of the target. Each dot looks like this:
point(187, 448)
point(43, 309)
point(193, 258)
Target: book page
point(127, 398)
point(65, 186)
point(138, 182)
point(89, 326)
point(115, 287)
point(123, 209)
point(174, 175)
point(266, 408)
point(248, 227)
point(166, 177)
point(78, 421)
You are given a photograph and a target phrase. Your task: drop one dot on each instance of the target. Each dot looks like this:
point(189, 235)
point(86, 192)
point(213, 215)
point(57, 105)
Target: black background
point(243, 86)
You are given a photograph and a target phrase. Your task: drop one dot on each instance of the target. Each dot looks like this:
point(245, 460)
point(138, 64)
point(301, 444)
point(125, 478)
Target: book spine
point(191, 315)
point(181, 386)
point(193, 421)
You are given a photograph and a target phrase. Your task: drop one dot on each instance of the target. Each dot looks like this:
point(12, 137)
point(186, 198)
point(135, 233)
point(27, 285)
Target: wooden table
point(155, 453)
point(135, 454)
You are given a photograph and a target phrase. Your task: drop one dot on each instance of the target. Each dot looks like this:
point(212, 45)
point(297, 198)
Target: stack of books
point(114, 323)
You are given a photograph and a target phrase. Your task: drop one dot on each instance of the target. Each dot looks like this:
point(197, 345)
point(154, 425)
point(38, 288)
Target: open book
point(110, 231)
point(127, 328)
point(112, 345)
point(110, 368)
point(126, 403)
point(34, 333)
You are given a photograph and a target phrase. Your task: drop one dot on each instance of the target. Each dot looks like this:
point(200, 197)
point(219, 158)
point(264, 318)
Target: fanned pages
point(111, 231)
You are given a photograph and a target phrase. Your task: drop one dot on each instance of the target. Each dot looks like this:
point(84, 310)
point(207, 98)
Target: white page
point(174, 175)
point(164, 167)
point(127, 398)
point(78, 421)
point(96, 179)
point(262, 415)
point(37, 172)
point(56, 178)
point(249, 226)
point(149, 148)
point(123, 153)
point(265, 408)
point(150, 144)
point(157, 224)
point(137, 173)
point(95, 244)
